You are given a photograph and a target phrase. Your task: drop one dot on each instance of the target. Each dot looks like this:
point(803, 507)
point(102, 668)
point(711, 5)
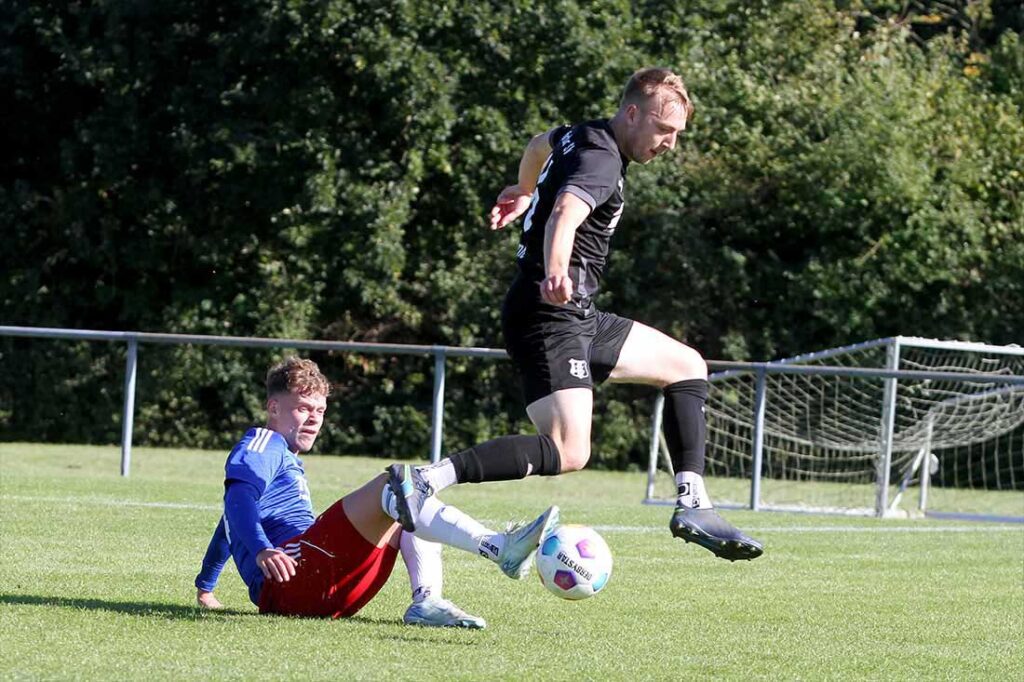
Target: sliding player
point(333, 565)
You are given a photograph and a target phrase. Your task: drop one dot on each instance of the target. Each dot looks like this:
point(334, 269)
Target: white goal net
point(867, 444)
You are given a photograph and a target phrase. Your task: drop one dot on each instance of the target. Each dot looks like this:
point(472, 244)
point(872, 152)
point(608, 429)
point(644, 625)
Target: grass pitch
point(96, 582)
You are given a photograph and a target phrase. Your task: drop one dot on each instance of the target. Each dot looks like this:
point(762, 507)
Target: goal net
point(870, 445)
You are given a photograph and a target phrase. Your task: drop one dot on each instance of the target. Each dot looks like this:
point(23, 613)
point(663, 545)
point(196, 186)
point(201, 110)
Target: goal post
point(892, 362)
point(840, 431)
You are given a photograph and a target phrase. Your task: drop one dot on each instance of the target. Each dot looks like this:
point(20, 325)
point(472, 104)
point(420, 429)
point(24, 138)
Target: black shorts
point(556, 347)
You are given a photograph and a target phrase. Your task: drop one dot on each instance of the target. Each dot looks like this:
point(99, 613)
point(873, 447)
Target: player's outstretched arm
point(515, 199)
point(510, 204)
point(217, 553)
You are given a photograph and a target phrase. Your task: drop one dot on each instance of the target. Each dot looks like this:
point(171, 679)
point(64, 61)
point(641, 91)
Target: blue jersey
point(266, 500)
point(217, 554)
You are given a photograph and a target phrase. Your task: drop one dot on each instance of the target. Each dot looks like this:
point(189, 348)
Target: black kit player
point(570, 187)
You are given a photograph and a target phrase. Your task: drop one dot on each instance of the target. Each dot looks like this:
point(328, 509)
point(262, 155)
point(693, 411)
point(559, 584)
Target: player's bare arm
point(515, 199)
point(567, 215)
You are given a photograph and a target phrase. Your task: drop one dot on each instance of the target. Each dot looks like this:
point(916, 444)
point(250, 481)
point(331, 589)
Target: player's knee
point(688, 364)
point(574, 456)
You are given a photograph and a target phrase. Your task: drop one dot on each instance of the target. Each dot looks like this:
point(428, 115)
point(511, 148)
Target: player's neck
point(273, 426)
point(618, 127)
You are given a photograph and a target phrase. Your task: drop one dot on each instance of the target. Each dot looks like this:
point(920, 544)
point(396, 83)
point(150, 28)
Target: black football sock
point(507, 458)
point(685, 428)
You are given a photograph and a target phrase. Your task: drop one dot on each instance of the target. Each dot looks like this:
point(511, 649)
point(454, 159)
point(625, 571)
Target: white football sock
point(423, 561)
point(440, 475)
point(692, 494)
point(439, 522)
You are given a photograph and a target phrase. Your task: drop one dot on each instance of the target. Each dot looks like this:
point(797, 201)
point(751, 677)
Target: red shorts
point(338, 572)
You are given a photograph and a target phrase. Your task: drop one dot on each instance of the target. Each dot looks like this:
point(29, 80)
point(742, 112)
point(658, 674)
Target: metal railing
point(441, 353)
point(761, 370)
point(133, 339)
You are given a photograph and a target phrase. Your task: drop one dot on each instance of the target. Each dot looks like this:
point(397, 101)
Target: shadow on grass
point(397, 629)
point(139, 608)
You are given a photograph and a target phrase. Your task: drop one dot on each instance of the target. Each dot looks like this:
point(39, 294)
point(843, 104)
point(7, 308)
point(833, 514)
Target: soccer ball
point(574, 562)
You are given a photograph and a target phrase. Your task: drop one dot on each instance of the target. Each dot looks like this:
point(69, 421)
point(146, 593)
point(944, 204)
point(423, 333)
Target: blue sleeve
point(242, 514)
point(255, 468)
point(216, 556)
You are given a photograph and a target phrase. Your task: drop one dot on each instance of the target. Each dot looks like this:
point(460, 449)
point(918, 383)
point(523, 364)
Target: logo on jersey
point(617, 216)
point(578, 368)
point(528, 220)
point(567, 143)
point(303, 486)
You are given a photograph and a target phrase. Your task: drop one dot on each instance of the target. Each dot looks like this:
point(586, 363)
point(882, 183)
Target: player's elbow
point(539, 145)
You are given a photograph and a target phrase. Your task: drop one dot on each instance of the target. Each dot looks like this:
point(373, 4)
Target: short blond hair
point(297, 375)
point(648, 82)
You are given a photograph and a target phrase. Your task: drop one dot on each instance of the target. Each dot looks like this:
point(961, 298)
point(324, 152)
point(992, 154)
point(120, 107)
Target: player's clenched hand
point(556, 289)
point(276, 565)
point(511, 204)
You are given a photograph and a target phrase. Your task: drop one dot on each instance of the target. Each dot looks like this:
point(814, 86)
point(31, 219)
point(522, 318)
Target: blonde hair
point(297, 375)
point(644, 84)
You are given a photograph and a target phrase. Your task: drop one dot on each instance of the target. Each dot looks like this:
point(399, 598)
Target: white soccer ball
point(574, 562)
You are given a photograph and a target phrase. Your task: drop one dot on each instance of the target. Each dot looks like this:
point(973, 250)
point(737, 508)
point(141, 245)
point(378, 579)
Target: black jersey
point(585, 161)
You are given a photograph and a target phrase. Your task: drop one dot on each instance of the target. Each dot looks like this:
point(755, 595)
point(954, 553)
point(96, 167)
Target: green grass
point(861, 496)
point(96, 582)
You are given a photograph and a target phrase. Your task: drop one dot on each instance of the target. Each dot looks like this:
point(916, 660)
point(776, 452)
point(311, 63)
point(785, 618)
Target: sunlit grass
point(96, 582)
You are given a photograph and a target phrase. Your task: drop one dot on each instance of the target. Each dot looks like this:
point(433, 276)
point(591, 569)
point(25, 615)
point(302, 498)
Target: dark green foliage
point(320, 169)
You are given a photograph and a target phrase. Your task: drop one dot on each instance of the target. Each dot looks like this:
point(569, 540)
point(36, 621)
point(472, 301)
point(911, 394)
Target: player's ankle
point(439, 475)
point(490, 546)
point(422, 593)
point(690, 491)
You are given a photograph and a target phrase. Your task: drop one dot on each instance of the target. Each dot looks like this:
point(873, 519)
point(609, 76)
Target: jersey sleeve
point(556, 134)
point(592, 174)
point(242, 515)
point(217, 554)
point(255, 468)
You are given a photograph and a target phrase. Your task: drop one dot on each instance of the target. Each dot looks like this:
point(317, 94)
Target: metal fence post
point(757, 455)
point(437, 417)
point(128, 415)
point(652, 465)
